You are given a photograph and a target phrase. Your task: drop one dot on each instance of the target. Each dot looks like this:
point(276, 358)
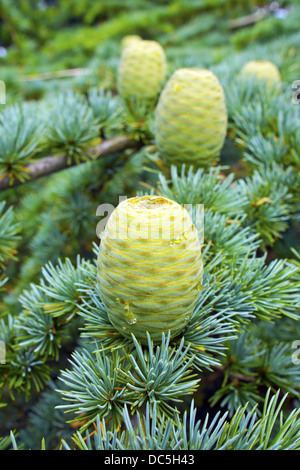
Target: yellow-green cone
point(191, 118)
point(149, 267)
point(261, 70)
point(130, 39)
point(142, 70)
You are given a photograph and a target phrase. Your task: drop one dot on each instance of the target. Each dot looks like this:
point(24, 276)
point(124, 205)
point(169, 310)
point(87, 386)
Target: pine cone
point(128, 40)
point(149, 267)
point(191, 118)
point(261, 70)
point(142, 70)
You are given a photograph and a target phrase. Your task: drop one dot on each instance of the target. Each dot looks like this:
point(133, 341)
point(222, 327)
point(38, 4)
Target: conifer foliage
point(113, 337)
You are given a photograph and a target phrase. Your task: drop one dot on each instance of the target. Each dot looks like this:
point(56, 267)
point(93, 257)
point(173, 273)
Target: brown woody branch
point(57, 74)
point(48, 165)
point(248, 20)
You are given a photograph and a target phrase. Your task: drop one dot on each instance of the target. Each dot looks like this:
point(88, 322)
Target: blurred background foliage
point(44, 36)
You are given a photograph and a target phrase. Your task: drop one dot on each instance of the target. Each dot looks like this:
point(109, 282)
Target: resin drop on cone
point(149, 267)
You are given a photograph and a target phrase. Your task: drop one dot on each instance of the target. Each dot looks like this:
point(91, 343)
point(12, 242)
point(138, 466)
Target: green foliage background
point(54, 218)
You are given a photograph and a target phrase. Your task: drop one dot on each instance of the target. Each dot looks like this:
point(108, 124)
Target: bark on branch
point(57, 74)
point(48, 165)
point(248, 20)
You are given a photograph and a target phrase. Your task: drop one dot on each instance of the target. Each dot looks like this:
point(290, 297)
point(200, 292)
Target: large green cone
point(149, 267)
point(261, 70)
point(142, 70)
point(191, 118)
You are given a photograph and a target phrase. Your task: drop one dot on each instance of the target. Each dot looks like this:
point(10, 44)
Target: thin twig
point(236, 375)
point(248, 20)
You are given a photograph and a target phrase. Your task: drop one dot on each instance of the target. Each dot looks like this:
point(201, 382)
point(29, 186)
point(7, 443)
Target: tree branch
point(248, 20)
point(48, 165)
point(57, 74)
